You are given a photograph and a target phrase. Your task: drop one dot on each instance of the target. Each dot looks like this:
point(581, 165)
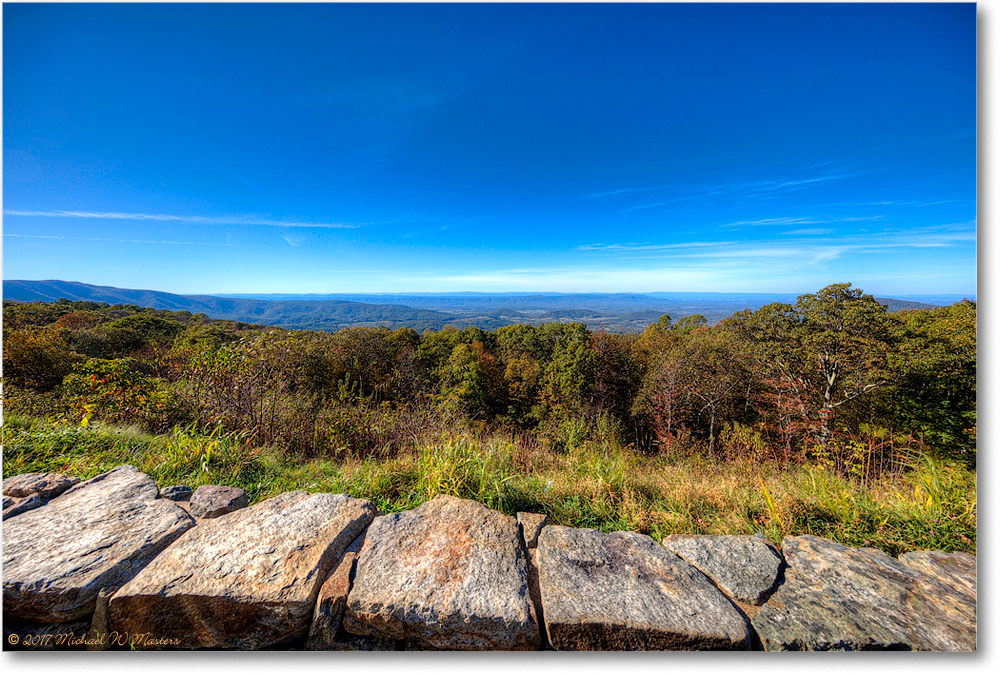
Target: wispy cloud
point(740, 190)
point(808, 231)
point(653, 205)
point(816, 246)
point(653, 247)
point(570, 279)
point(232, 174)
point(800, 220)
point(120, 241)
point(772, 186)
point(622, 191)
point(163, 217)
point(293, 239)
point(780, 264)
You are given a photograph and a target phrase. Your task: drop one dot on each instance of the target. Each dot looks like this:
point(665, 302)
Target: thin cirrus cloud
point(800, 220)
point(118, 241)
point(748, 190)
point(709, 255)
point(164, 217)
point(780, 263)
point(232, 174)
point(811, 249)
point(808, 231)
point(653, 247)
point(627, 190)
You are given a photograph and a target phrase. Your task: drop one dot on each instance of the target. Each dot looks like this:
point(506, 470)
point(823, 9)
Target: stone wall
point(116, 563)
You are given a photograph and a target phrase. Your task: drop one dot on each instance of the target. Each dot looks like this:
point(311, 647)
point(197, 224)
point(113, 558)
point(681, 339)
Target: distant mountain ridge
point(315, 314)
point(616, 312)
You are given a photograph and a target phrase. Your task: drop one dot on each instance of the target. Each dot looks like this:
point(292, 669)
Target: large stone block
point(840, 598)
point(98, 534)
point(623, 591)
point(451, 573)
point(245, 580)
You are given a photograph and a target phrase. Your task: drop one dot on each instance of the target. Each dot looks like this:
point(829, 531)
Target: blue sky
point(573, 148)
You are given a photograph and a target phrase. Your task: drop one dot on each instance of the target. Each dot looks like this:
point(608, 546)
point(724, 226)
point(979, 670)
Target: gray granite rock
point(212, 501)
point(13, 506)
point(531, 526)
point(177, 493)
point(45, 485)
point(451, 573)
point(245, 581)
point(623, 591)
point(744, 567)
point(839, 598)
point(96, 535)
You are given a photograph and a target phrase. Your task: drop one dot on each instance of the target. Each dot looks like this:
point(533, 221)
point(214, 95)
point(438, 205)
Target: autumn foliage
point(833, 378)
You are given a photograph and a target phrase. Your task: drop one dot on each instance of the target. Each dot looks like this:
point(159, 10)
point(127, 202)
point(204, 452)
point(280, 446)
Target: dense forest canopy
point(833, 377)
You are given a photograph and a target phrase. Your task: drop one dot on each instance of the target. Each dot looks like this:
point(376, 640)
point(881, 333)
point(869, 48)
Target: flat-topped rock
point(13, 506)
point(624, 591)
point(451, 573)
point(531, 525)
point(839, 598)
point(954, 569)
point(45, 485)
point(96, 535)
point(744, 567)
point(177, 493)
point(212, 501)
point(247, 580)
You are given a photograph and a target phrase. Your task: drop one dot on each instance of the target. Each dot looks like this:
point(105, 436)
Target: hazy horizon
point(386, 149)
point(653, 295)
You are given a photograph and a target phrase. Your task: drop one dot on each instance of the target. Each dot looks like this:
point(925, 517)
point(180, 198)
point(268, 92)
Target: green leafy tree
point(524, 340)
point(936, 391)
point(199, 335)
point(37, 358)
point(433, 353)
point(569, 374)
point(474, 381)
point(524, 350)
point(151, 330)
point(522, 379)
point(378, 360)
point(699, 383)
point(616, 374)
point(827, 351)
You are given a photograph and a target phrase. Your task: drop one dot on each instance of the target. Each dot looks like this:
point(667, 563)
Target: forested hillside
point(834, 375)
point(313, 314)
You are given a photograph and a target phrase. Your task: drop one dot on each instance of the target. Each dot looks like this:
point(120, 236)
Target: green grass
point(598, 485)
